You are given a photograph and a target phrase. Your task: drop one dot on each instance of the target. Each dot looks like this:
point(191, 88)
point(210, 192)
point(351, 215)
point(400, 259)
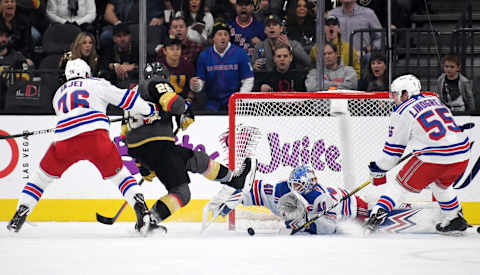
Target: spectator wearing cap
point(301, 23)
point(333, 35)
point(376, 77)
point(335, 75)
point(19, 28)
point(10, 59)
point(262, 58)
point(83, 47)
point(77, 12)
point(180, 70)
point(121, 64)
point(283, 78)
point(246, 31)
point(353, 17)
point(190, 49)
point(199, 22)
point(222, 69)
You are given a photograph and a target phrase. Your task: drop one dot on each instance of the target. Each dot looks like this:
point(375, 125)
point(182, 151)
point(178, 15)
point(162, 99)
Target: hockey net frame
point(339, 96)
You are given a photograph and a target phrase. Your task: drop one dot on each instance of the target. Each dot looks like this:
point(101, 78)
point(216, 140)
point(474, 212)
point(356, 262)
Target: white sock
point(127, 185)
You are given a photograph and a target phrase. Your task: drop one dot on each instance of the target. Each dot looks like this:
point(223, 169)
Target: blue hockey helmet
point(302, 179)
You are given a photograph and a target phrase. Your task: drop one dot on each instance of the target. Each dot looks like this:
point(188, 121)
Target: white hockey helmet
point(77, 68)
point(408, 83)
point(302, 179)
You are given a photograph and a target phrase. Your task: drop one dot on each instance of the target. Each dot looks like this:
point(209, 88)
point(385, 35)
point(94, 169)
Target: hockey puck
point(250, 231)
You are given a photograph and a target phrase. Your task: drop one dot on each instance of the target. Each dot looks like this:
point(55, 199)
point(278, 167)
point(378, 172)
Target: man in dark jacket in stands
point(283, 78)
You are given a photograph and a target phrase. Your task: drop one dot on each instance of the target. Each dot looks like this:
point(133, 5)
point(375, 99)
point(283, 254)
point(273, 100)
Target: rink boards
point(81, 192)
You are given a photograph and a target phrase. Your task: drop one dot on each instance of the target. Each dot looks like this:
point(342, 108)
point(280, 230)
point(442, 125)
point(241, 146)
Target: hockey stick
point(312, 220)
point(110, 221)
point(38, 132)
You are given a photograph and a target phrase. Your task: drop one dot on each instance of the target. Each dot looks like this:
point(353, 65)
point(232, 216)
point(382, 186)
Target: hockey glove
point(155, 114)
point(378, 175)
point(187, 118)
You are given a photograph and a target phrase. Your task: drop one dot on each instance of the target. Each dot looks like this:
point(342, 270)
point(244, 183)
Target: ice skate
point(19, 218)
point(154, 226)
point(245, 180)
point(375, 220)
point(143, 215)
point(455, 226)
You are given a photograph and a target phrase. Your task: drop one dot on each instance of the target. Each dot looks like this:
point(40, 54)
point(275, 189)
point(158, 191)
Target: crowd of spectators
point(214, 48)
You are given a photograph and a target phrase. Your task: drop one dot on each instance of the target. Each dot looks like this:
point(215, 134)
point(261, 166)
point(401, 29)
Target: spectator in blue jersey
point(246, 31)
point(222, 69)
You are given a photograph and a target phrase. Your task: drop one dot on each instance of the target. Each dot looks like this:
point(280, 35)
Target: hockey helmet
point(157, 70)
point(406, 83)
point(77, 68)
point(302, 179)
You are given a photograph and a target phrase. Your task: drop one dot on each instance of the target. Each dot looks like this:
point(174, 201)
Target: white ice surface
point(92, 248)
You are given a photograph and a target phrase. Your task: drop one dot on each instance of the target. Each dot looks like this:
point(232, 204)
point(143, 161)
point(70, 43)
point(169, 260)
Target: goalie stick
point(110, 221)
point(312, 220)
point(39, 132)
point(463, 127)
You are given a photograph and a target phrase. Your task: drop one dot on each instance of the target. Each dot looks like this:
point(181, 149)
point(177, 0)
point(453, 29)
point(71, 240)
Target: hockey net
point(337, 133)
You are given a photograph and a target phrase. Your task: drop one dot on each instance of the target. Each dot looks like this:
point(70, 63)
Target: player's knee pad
point(199, 162)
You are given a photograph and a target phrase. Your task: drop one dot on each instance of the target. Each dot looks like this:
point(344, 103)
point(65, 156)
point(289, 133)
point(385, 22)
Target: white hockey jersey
point(81, 104)
point(427, 125)
point(267, 195)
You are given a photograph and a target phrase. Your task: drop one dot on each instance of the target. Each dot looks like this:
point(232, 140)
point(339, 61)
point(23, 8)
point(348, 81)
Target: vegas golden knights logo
point(178, 82)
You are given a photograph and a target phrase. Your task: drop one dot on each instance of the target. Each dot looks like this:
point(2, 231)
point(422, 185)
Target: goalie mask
point(158, 71)
point(302, 179)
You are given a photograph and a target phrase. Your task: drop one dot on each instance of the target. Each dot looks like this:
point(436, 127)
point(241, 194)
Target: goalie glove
point(292, 209)
point(187, 118)
point(378, 175)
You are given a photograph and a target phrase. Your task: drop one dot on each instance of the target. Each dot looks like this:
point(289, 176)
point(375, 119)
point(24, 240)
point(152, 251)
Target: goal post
point(337, 133)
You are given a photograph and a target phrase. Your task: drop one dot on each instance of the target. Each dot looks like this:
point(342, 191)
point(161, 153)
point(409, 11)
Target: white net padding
point(337, 133)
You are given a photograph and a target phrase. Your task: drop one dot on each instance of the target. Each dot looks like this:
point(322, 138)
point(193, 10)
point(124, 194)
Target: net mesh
point(332, 132)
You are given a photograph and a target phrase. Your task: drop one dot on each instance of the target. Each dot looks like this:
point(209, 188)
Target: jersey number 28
point(430, 120)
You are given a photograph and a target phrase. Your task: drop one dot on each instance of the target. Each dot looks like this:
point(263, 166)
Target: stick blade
point(104, 220)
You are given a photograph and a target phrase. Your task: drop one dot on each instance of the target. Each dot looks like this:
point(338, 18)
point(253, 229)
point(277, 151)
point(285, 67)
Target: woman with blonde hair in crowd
point(83, 47)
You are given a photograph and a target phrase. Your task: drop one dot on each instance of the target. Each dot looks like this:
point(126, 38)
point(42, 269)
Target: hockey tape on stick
point(312, 220)
point(110, 221)
point(39, 132)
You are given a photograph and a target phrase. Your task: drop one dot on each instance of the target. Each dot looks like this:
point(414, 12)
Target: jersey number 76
point(440, 120)
point(70, 101)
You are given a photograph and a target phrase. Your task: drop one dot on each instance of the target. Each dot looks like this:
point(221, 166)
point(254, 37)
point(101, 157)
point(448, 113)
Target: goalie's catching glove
point(378, 175)
point(187, 118)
